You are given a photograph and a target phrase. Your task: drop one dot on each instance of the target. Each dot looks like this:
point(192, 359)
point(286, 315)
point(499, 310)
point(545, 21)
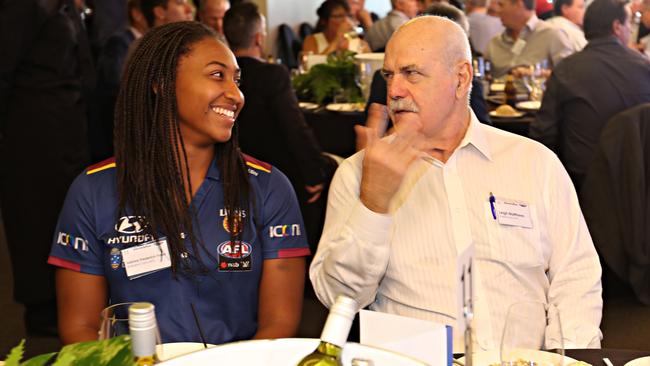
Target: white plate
point(168, 351)
point(642, 361)
point(345, 107)
point(284, 352)
point(486, 358)
point(497, 87)
point(308, 105)
point(496, 115)
point(529, 105)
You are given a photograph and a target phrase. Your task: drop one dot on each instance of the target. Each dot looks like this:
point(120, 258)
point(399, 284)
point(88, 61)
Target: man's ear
point(464, 75)
point(259, 39)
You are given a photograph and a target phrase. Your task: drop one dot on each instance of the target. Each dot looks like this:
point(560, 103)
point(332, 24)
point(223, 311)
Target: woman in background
point(223, 229)
point(335, 31)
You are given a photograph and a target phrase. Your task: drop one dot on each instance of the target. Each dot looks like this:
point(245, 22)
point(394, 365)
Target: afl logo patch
point(229, 249)
point(115, 258)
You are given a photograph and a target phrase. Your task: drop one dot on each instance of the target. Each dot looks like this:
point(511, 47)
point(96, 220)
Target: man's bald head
point(444, 37)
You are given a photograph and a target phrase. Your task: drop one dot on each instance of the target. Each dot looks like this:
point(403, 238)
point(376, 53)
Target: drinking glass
point(114, 321)
point(529, 328)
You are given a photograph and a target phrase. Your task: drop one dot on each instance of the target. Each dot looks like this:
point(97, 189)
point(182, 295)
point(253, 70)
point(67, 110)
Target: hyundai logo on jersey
point(129, 225)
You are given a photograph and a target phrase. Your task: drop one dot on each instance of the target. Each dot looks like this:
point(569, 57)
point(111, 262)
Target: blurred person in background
point(359, 13)
point(482, 26)
point(334, 31)
point(46, 78)
point(403, 10)
point(590, 86)
point(569, 16)
point(143, 15)
point(526, 39)
point(271, 125)
point(211, 13)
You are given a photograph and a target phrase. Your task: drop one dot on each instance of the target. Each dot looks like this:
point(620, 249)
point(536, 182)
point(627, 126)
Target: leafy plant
point(323, 81)
point(111, 352)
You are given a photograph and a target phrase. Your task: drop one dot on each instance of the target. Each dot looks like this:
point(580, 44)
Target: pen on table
point(492, 201)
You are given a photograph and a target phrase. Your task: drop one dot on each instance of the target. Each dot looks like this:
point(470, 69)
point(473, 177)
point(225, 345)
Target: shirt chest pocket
point(513, 245)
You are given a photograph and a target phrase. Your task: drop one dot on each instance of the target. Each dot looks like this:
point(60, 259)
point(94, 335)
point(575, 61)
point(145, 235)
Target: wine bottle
point(511, 91)
point(143, 331)
point(334, 335)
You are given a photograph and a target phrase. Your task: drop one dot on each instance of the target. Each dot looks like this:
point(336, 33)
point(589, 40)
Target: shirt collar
point(213, 170)
point(530, 26)
point(136, 33)
point(475, 135)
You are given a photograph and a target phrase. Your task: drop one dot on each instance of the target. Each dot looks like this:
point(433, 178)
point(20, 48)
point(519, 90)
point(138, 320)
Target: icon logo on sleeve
point(72, 241)
point(282, 231)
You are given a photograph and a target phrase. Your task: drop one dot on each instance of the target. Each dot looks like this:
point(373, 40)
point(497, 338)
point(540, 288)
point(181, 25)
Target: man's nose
point(396, 87)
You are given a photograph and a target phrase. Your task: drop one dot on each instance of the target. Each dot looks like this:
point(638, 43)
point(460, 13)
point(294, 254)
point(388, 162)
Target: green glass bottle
point(334, 335)
point(143, 331)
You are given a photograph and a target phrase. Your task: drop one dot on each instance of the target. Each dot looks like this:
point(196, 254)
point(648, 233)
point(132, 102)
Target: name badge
point(146, 258)
point(513, 213)
point(518, 46)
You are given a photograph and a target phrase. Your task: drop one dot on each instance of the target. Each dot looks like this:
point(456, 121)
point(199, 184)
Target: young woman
point(180, 217)
point(334, 30)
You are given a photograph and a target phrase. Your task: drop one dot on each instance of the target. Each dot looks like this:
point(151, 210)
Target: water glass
point(114, 321)
point(530, 327)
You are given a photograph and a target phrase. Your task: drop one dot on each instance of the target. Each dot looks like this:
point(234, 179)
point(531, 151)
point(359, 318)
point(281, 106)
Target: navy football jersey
point(91, 235)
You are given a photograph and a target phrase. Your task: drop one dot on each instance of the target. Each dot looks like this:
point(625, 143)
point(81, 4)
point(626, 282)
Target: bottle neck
point(329, 349)
point(336, 329)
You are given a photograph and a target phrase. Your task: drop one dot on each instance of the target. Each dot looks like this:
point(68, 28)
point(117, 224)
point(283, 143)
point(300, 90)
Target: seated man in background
point(482, 26)
point(400, 211)
point(569, 17)
point(526, 39)
point(271, 125)
point(590, 87)
point(381, 30)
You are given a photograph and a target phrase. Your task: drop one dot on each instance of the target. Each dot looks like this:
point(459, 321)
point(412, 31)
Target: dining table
point(595, 357)
point(334, 131)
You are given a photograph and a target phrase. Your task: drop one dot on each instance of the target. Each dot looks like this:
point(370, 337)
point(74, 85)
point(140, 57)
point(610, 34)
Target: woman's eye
point(217, 74)
point(238, 81)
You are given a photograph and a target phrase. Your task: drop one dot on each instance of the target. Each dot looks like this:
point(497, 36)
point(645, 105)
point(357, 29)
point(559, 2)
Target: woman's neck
point(199, 160)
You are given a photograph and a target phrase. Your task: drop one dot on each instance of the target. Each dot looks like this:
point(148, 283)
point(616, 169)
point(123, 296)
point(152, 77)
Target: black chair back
point(304, 30)
point(615, 198)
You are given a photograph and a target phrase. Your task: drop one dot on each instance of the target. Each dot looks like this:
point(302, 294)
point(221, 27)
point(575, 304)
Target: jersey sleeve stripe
point(258, 167)
point(293, 252)
point(99, 169)
point(59, 262)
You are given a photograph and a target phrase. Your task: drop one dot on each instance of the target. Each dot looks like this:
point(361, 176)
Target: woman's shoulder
point(264, 176)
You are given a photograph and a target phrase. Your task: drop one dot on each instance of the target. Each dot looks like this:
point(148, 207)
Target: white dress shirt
point(575, 33)
point(404, 262)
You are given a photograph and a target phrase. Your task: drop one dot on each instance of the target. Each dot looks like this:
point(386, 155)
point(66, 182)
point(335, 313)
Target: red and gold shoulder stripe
point(256, 164)
point(106, 164)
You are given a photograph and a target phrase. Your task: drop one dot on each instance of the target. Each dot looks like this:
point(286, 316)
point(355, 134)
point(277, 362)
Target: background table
point(334, 130)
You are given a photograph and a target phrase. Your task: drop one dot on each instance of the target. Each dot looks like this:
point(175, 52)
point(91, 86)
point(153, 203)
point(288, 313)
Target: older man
point(591, 86)
point(381, 30)
point(569, 16)
point(400, 211)
point(526, 39)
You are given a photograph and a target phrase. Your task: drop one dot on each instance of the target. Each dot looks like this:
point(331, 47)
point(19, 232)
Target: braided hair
point(149, 149)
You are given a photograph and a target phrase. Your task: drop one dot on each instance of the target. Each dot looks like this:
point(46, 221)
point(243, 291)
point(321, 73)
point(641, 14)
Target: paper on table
point(427, 341)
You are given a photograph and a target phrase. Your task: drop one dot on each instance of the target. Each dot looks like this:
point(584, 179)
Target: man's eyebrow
point(409, 67)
